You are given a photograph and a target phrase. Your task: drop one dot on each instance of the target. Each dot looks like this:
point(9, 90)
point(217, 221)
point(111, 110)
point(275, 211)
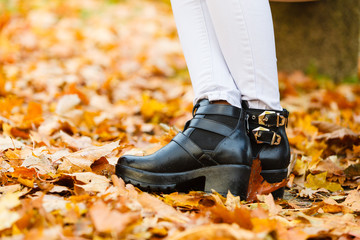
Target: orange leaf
point(33, 115)
point(24, 172)
point(240, 215)
point(259, 186)
point(106, 220)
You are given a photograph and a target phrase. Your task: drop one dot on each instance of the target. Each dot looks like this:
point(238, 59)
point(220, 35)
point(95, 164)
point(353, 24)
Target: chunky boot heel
point(213, 152)
point(269, 142)
point(275, 176)
point(230, 178)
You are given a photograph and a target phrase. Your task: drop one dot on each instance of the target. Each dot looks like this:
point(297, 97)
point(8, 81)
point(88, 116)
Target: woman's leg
point(244, 30)
point(209, 72)
point(214, 151)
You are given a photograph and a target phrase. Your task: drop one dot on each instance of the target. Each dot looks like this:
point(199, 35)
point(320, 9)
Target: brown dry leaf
point(160, 209)
point(107, 220)
point(232, 202)
point(342, 134)
point(103, 167)
point(257, 184)
point(352, 171)
point(326, 127)
point(76, 143)
point(41, 163)
point(214, 232)
point(328, 166)
point(82, 160)
point(352, 201)
point(328, 205)
point(9, 143)
point(274, 209)
point(91, 182)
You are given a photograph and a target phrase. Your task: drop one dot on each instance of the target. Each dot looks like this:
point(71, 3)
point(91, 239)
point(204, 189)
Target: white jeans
point(229, 48)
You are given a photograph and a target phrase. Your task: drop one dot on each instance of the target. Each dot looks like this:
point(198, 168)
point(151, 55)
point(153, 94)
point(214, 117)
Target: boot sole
point(274, 176)
point(221, 178)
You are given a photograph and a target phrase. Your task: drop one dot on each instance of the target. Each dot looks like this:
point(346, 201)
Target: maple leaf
point(107, 220)
point(160, 208)
point(259, 186)
point(84, 158)
point(91, 182)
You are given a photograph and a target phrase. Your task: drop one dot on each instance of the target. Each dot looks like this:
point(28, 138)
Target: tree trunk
point(322, 35)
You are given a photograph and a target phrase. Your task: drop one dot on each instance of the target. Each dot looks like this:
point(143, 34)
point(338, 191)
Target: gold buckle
point(280, 120)
point(257, 133)
point(276, 139)
point(262, 119)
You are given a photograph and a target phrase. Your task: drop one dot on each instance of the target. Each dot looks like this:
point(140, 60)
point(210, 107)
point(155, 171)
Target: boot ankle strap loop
point(195, 108)
point(264, 135)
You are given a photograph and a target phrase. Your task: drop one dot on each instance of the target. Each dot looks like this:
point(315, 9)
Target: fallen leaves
point(84, 82)
point(215, 231)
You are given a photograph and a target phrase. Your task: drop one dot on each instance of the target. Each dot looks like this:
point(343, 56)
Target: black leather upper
point(272, 156)
point(182, 154)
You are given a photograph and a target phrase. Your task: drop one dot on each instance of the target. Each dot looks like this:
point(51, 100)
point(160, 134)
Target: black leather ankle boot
point(213, 152)
point(269, 143)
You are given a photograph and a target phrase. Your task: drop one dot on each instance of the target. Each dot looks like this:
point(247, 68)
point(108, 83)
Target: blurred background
point(75, 74)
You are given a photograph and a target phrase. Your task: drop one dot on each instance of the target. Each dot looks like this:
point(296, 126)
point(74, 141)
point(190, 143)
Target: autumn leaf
point(33, 115)
point(326, 127)
point(352, 201)
point(215, 231)
point(352, 171)
point(84, 82)
point(319, 181)
point(257, 184)
point(84, 158)
point(7, 215)
point(106, 220)
point(91, 182)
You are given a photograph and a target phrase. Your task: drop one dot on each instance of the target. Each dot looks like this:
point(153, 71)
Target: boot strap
point(218, 109)
point(264, 135)
point(269, 118)
point(194, 150)
point(210, 126)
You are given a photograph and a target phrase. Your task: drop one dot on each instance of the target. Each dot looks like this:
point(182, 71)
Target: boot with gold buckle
point(269, 143)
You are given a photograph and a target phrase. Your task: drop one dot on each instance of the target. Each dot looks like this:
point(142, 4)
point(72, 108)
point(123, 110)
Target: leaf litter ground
point(84, 82)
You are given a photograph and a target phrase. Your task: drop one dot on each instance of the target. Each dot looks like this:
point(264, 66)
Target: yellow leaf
point(152, 109)
point(301, 166)
point(319, 181)
point(8, 217)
